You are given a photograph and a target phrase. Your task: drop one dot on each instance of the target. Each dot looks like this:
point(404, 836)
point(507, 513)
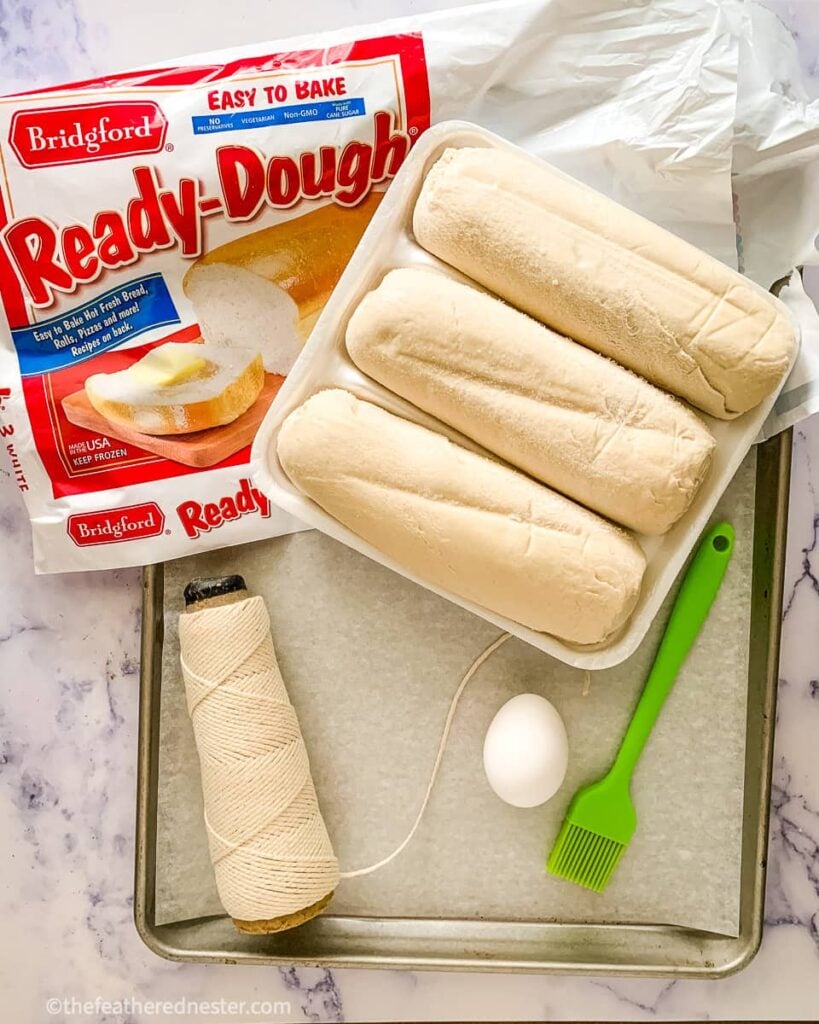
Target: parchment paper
point(371, 662)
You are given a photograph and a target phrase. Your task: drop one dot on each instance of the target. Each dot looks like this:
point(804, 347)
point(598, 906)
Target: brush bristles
point(584, 857)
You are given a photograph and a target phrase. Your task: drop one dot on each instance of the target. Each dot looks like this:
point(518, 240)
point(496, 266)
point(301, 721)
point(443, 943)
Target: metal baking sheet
point(511, 945)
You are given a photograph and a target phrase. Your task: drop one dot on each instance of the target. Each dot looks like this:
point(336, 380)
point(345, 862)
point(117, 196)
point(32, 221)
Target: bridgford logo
point(116, 524)
point(197, 518)
point(53, 136)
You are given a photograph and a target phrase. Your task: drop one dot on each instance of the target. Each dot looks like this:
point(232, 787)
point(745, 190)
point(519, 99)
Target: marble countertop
point(68, 701)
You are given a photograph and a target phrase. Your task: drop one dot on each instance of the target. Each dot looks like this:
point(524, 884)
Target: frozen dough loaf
point(266, 289)
point(605, 276)
point(567, 416)
point(460, 521)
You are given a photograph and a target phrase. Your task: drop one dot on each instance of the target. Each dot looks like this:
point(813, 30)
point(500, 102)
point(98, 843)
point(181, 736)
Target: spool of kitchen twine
point(272, 856)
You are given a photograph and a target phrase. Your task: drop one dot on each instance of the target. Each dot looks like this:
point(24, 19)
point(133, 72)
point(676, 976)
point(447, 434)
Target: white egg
point(526, 751)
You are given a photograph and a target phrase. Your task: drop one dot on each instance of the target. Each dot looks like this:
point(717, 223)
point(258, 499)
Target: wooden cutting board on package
point(200, 449)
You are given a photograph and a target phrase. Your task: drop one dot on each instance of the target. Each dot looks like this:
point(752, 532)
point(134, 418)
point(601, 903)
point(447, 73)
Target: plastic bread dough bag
point(217, 198)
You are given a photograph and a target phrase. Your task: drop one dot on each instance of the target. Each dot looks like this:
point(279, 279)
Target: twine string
point(268, 842)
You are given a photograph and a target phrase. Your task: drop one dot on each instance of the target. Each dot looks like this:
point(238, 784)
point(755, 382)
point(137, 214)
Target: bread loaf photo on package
point(606, 277)
point(565, 415)
point(460, 521)
point(266, 289)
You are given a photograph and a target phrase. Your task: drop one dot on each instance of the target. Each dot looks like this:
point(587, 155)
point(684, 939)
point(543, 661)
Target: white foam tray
point(324, 363)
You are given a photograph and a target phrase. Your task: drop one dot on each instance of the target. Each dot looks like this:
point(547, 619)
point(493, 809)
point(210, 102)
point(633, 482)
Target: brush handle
point(694, 599)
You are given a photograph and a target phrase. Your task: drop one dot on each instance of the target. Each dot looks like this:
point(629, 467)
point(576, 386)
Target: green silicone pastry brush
point(601, 818)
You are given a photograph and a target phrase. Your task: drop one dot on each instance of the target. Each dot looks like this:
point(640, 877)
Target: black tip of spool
point(214, 586)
